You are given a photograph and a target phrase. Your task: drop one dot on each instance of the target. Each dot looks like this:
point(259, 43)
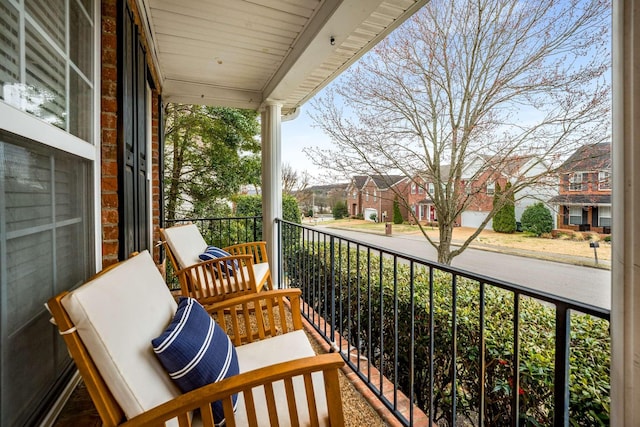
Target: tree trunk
point(444, 247)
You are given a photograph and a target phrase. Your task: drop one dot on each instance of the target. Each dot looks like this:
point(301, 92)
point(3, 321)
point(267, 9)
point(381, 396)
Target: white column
point(271, 183)
point(625, 304)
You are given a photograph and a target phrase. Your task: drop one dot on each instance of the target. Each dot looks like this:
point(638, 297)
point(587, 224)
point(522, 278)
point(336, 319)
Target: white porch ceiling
point(242, 53)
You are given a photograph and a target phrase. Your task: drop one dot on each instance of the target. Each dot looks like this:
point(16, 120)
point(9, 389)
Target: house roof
point(581, 199)
point(246, 53)
point(588, 158)
point(358, 181)
point(384, 182)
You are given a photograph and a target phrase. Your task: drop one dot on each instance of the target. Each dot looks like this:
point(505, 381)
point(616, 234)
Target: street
point(585, 284)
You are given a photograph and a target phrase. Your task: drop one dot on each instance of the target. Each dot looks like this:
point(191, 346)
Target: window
point(55, 83)
point(46, 196)
point(413, 188)
point(575, 215)
point(578, 181)
point(468, 187)
point(366, 196)
point(604, 216)
point(355, 193)
point(491, 187)
point(431, 188)
point(375, 195)
point(604, 180)
point(420, 189)
point(47, 245)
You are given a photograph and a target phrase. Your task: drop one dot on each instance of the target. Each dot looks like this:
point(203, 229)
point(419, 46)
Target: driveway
point(584, 284)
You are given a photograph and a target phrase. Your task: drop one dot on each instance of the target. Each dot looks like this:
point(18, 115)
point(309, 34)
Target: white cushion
point(117, 315)
point(186, 244)
point(281, 348)
point(260, 271)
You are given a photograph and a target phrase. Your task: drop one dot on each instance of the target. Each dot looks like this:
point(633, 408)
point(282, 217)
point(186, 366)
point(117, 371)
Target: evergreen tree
point(397, 215)
point(537, 219)
point(504, 220)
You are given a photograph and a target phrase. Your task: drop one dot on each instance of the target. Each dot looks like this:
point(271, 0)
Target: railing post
point(332, 257)
point(278, 284)
point(561, 379)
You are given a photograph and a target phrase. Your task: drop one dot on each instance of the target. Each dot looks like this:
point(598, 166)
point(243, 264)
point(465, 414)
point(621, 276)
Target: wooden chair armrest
point(257, 249)
point(201, 398)
point(240, 246)
point(242, 259)
point(257, 316)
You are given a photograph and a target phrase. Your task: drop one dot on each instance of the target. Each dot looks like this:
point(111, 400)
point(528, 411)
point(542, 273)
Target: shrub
point(607, 238)
point(537, 219)
point(367, 287)
point(504, 220)
point(340, 210)
point(373, 217)
point(397, 215)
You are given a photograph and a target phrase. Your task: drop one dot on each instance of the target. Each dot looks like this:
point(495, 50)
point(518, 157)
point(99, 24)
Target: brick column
point(108, 133)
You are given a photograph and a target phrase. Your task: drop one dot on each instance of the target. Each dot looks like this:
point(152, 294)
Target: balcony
point(452, 346)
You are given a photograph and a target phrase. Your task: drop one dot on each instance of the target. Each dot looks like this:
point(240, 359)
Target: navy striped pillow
point(195, 351)
point(213, 252)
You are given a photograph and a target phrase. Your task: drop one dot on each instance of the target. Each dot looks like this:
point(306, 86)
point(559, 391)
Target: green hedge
point(309, 268)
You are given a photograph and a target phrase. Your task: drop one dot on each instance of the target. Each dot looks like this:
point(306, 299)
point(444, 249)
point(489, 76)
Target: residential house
point(584, 200)
point(480, 180)
point(82, 89)
point(372, 196)
point(418, 194)
point(354, 194)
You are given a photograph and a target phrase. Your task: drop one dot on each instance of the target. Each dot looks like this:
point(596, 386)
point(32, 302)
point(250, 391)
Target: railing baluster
point(395, 331)
point(381, 320)
point(515, 395)
point(454, 347)
point(369, 314)
point(561, 374)
point(412, 353)
point(333, 286)
point(431, 345)
point(483, 366)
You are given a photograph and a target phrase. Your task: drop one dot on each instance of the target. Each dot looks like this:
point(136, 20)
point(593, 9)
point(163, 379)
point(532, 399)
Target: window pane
point(50, 15)
point(80, 40)
point(88, 6)
point(27, 187)
point(46, 249)
point(44, 95)
point(9, 48)
point(80, 107)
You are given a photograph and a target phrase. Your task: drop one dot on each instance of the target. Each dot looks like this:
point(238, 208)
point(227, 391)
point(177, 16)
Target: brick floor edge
point(403, 403)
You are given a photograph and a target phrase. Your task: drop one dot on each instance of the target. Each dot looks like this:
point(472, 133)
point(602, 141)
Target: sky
point(299, 134)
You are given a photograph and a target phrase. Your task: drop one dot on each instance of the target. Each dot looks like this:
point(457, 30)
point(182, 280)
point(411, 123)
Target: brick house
point(418, 193)
point(584, 199)
point(374, 194)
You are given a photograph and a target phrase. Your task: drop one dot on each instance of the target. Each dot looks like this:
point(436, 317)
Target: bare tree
point(482, 82)
point(292, 181)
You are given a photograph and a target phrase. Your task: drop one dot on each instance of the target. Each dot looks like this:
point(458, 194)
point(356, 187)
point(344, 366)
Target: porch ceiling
point(242, 53)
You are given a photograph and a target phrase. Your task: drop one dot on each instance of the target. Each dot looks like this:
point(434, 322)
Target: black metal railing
point(464, 349)
point(224, 232)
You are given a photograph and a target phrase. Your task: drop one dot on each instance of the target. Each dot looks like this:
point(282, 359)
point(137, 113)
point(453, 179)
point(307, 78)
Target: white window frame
point(572, 214)
point(375, 195)
point(355, 194)
point(413, 188)
point(577, 181)
point(31, 127)
point(600, 216)
point(491, 187)
point(431, 188)
point(604, 180)
point(366, 195)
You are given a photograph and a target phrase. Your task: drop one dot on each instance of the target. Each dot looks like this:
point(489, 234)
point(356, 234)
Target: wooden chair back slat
point(271, 404)
point(291, 402)
point(311, 400)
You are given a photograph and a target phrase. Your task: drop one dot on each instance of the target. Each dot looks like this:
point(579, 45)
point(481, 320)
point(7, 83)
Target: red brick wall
point(108, 131)
point(109, 137)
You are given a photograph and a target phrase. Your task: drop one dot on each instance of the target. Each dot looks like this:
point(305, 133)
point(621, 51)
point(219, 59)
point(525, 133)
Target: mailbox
point(594, 245)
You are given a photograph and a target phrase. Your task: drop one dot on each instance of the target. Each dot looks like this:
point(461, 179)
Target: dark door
point(132, 137)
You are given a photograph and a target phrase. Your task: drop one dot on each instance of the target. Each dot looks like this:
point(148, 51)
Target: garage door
point(474, 219)
point(368, 212)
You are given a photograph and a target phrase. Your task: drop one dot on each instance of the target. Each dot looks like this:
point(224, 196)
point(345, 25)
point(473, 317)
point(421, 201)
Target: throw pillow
point(195, 351)
point(213, 252)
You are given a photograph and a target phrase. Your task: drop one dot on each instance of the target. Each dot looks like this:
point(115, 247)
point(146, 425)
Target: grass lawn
point(565, 245)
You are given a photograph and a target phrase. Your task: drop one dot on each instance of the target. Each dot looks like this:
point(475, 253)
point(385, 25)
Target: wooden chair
point(184, 243)
point(279, 383)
